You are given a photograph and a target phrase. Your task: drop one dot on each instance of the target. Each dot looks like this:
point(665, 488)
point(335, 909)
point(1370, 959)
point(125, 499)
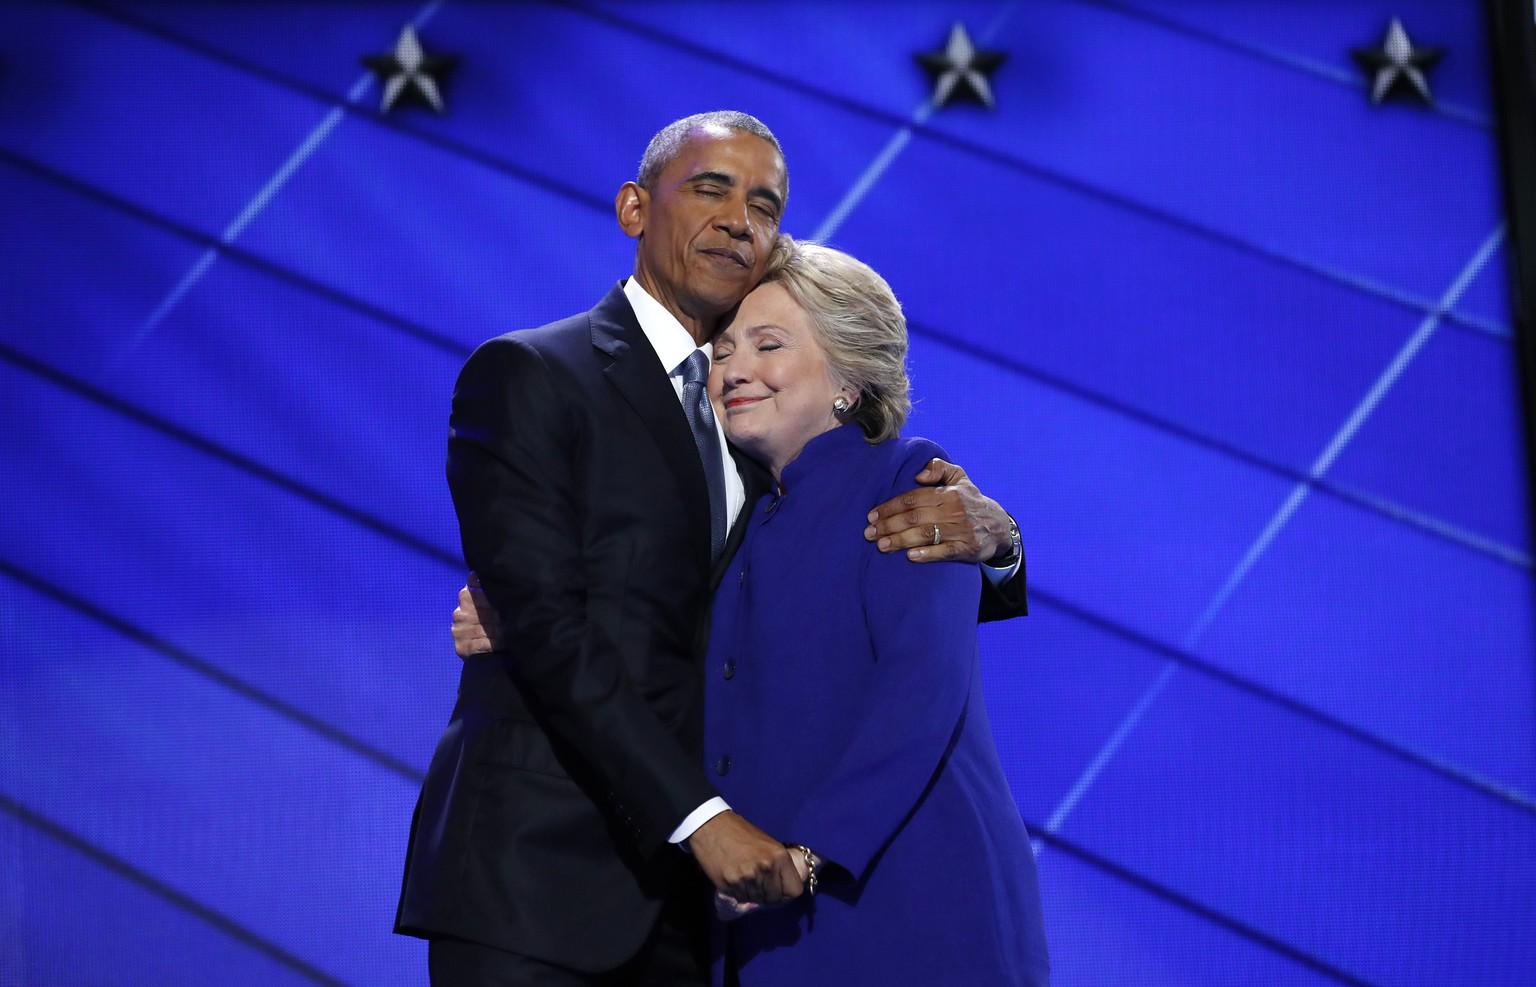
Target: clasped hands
point(749, 868)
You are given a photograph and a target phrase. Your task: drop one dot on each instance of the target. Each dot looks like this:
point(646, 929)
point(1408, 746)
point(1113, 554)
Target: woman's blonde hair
point(860, 325)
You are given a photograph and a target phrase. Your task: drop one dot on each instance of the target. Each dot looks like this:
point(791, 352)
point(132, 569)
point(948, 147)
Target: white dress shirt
point(674, 345)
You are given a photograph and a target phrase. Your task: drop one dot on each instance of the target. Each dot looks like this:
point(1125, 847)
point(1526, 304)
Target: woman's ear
point(630, 205)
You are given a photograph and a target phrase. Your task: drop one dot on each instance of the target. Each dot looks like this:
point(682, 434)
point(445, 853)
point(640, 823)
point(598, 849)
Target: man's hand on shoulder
point(476, 628)
point(745, 863)
point(971, 526)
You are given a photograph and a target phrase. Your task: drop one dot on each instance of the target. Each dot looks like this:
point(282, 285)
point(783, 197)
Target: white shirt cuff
point(697, 818)
point(998, 576)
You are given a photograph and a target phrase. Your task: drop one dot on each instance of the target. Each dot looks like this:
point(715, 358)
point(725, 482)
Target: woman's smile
point(770, 350)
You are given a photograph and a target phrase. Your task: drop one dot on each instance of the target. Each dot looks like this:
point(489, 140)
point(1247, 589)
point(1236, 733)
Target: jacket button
point(723, 765)
point(730, 669)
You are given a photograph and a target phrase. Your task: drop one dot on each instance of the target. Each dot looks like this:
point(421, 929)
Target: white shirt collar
point(668, 338)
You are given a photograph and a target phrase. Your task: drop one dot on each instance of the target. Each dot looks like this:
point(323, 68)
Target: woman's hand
point(728, 909)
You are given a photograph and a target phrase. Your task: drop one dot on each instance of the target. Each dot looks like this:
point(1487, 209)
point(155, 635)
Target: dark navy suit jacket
point(844, 711)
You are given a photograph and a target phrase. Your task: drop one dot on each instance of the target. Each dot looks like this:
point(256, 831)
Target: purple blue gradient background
point(1233, 345)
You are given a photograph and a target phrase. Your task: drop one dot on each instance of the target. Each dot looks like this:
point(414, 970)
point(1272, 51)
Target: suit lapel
point(632, 367)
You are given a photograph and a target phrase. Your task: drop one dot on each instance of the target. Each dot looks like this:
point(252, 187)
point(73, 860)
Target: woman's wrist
point(807, 863)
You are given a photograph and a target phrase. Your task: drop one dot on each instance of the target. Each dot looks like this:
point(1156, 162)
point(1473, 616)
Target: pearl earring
point(840, 404)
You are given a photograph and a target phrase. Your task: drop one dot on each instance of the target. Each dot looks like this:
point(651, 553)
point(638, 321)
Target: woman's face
point(770, 383)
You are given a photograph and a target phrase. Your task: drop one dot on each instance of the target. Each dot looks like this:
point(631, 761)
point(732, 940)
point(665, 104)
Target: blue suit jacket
point(843, 711)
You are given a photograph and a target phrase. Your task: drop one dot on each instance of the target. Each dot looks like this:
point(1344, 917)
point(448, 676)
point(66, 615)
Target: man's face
point(708, 226)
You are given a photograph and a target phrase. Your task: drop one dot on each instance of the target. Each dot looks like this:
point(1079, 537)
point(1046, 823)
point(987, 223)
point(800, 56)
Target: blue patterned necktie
point(701, 420)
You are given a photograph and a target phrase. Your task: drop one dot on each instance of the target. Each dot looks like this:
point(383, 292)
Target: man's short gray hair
point(670, 139)
point(860, 325)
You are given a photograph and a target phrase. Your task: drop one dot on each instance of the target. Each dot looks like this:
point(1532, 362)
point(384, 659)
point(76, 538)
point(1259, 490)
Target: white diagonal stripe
point(1287, 510)
point(1345, 434)
point(257, 203)
point(876, 169)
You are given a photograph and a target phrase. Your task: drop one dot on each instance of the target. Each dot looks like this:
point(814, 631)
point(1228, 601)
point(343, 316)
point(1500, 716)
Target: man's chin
point(725, 302)
point(732, 282)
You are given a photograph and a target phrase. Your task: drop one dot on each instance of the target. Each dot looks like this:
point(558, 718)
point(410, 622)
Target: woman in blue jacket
point(844, 706)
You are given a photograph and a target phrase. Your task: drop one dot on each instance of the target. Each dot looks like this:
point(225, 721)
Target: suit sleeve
point(512, 474)
point(921, 623)
point(1005, 600)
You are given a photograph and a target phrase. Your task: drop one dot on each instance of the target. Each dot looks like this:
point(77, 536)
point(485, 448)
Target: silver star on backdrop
point(1397, 65)
point(410, 75)
point(960, 69)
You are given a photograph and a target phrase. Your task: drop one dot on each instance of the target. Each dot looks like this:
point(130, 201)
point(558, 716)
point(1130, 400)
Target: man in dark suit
point(596, 499)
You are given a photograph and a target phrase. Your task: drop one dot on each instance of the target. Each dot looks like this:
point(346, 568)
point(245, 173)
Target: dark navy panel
point(1389, 870)
point(616, 89)
point(57, 244)
point(227, 566)
point(1107, 932)
point(1126, 106)
point(314, 391)
point(1243, 146)
point(458, 247)
point(61, 912)
point(340, 402)
point(1119, 515)
point(316, 44)
point(859, 51)
point(1118, 304)
point(142, 118)
point(1321, 34)
point(1449, 440)
point(225, 802)
point(1439, 637)
point(1056, 686)
point(511, 54)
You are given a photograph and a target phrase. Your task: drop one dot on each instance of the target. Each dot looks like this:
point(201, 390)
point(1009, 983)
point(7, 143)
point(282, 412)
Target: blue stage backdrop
point(1232, 342)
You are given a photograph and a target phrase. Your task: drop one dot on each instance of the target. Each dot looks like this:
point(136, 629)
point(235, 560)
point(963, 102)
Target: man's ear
point(630, 206)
